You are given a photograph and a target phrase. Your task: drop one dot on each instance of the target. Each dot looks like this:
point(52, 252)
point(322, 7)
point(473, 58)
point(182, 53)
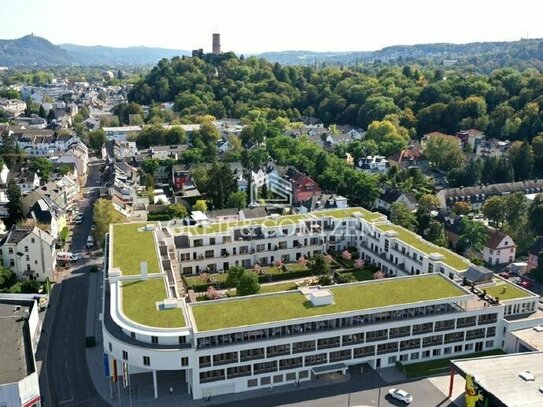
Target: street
point(64, 377)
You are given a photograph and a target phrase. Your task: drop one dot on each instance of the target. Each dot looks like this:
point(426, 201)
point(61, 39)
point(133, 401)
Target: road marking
point(66, 401)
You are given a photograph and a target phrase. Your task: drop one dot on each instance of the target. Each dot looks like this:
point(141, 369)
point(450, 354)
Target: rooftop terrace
point(412, 239)
point(131, 245)
point(223, 227)
point(259, 309)
point(505, 291)
point(139, 304)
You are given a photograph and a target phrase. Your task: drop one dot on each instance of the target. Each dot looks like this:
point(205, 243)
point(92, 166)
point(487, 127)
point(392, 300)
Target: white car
point(527, 376)
point(401, 395)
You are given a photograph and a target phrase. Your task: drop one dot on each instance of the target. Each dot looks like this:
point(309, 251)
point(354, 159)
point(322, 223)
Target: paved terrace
point(267, 308)
point(407, 237)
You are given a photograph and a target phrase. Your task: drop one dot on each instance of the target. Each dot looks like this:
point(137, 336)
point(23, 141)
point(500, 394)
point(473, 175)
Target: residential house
point(180, 176)
point(499, 248)
point(224, 215)
point(30, 253)
point(303, 187)
point(492, 148)
point(533, 253)
point(323, 201)
point(13, 107)
point(121, 133)
point(411, 157)
point(375, 164)
point(27, 180)
point(252, 213)
point(164, 152)
point(476, 196)
point(471, 138)
point(392, 196)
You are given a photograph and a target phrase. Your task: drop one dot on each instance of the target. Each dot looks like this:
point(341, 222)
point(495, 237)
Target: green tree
point(535, 215)
point(51, 115)
point(177, 211)
point(521, 156)
point(537, 147)
point(104, 214)
point(387, 136)
point(233, 275)
point(43, 167)
point(429, 201)
point(495, 209)
point(97, 139)
point(41, 112)
point(150, 165)
point(9, 151)
point(7, 278)
point(461, 208)
point(14, 206)
point(402, 216)
point(237, 200)
point(318, 265)
point(444, 153)
point(473, 236)
point(200, 205)
point(436, 234)
point(247, 284)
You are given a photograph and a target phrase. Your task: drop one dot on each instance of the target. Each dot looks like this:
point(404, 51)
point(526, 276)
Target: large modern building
point(238, 344)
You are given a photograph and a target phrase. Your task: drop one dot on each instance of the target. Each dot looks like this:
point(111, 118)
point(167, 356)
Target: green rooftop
point(131, 244)
point(139, 304)
point(348, 212)
point(453, 260)
point(505, 291)
point(261, 309)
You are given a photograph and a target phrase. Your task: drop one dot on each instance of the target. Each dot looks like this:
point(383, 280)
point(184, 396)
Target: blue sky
point(257, 26)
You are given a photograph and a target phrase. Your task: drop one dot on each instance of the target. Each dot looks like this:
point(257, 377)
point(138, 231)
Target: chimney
point(143, 270)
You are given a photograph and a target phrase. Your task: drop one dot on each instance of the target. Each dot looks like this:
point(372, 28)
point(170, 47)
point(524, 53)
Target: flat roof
point(267, 308)
point(412, 239)
point(12, 344)
point(139, 299)
point(499, 375)
point(532, 337)
point(224, 227)
point(132, 243)
point(504, 290)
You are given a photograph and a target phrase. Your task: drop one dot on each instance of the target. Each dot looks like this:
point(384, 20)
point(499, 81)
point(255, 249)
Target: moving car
point(79, 218)
point(90, 242)
point(401, 395)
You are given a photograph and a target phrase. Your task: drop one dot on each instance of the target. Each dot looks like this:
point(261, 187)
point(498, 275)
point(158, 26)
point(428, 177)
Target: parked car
point(67, 256)
point(525, 283)
point(90, 242)
point(401, 395)
point(505, 274)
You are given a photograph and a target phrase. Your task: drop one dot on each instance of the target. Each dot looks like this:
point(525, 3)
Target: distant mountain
point(100, 55)
point(32, 50)
point(523, 53)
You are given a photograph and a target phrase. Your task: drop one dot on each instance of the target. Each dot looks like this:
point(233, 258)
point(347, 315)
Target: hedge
point(158, 216)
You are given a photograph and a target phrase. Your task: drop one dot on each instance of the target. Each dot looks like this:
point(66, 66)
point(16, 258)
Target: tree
point(233, 276)
point(247, 284)
point(43, 167)
point(103, 216)
point(521, 156)
point(537, 273)
point(41, 112)
point(436, 234)
point(7, 278)
point(51, 116)
point(400, 214)
point(237, 200)
point(444, 153)
point(9, 151)
point(535, 215)
point(461, 208)
point(150, 165)
point(319, 265)
point(387, 136)
point(495, 209)
point(537, 147)
point(177, 211)
point(200, 205)
point(97, 139)
point(429, 201)
point(423, 218)
point(473, 236)
point(15, 207)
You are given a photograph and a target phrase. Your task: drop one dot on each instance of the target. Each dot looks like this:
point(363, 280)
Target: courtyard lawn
point(131, 244)
point(361, 275)
point(139, 304)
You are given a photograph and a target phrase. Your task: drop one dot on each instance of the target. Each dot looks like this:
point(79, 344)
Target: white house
point(391, 196)
point(376, 164)
point(30, 253)
point(499, 248)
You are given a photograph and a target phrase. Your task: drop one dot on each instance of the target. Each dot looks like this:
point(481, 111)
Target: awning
point(329, 368)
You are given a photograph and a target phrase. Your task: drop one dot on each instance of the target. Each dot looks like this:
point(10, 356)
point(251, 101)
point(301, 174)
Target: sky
point(258, 26)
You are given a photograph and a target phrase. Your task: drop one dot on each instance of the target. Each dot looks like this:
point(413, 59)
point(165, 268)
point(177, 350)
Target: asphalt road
point(64, 370)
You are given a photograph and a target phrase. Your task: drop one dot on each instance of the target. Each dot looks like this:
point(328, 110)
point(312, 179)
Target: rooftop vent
point(538, 328)
point(319, 296)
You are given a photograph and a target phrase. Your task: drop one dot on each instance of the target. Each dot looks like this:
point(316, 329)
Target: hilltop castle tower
point(216, 49)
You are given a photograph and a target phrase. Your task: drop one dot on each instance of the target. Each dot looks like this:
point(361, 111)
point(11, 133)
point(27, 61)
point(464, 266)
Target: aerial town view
point(302, 204)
